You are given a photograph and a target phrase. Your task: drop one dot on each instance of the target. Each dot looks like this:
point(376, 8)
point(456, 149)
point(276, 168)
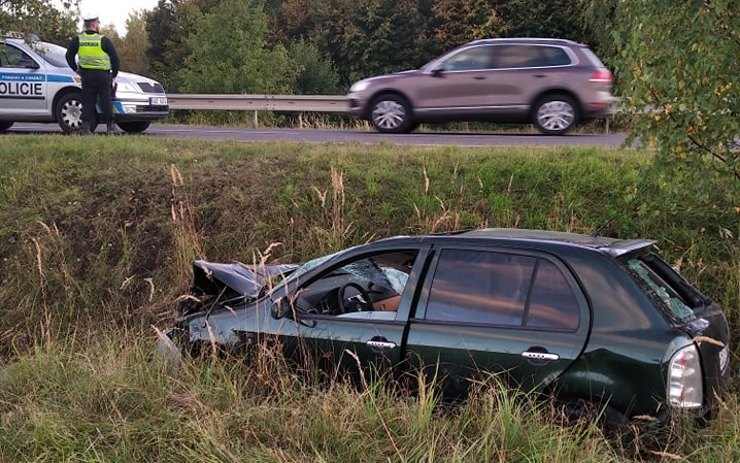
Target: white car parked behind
point(37, 85)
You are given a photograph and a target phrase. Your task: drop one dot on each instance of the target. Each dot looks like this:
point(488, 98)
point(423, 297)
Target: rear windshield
point(666, 287)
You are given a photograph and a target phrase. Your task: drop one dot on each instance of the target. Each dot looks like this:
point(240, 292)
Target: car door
point(521, 72)
point(356, 340)
point(516, 314)
point(22, 83)
point(459, 84)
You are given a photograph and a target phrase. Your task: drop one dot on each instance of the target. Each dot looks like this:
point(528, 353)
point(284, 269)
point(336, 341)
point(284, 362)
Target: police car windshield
point(53, 54)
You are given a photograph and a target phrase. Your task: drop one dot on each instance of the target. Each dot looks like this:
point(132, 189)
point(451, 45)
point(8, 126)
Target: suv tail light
point(685, 388)
point(602, 76)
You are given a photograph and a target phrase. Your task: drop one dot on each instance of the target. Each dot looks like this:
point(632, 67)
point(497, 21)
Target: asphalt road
point(353, 136)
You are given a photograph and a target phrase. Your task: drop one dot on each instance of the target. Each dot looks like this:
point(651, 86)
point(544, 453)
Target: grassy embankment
point(96, 241)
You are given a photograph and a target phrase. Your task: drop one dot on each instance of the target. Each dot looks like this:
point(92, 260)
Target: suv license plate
point(158, 101)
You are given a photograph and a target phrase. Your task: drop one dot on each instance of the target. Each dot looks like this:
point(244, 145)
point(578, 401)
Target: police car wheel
point(134, 126)
point(69, 113)
point(5, 125)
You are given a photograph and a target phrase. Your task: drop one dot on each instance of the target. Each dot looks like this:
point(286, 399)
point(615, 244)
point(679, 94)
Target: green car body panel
point(616, 350)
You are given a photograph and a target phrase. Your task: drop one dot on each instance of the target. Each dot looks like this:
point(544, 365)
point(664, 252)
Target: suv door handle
point(540, 356)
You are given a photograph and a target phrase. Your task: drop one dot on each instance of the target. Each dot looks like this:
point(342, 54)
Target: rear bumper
point(600, 109)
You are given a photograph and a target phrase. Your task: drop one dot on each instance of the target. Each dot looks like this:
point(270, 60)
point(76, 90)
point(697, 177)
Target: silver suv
point(553, 83)
point(37, 85)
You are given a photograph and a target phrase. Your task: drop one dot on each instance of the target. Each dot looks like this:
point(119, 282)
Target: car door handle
point(543, 356)
point(540, 76)
point(380, 345)
point(479, 77)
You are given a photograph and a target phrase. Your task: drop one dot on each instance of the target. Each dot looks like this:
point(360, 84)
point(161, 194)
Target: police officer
point(98, 66)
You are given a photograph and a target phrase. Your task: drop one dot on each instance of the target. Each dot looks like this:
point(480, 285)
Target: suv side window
point(555, 56)
point(12, 57)
point(526, 56)
point(470, 59)
point(480, 287)
point(501, 289)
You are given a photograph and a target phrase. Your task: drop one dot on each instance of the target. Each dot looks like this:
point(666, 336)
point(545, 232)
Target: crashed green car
point(584, 319)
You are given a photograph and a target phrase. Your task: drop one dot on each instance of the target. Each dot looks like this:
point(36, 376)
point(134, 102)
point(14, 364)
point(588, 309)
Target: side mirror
point(437, 72)
point(279, 309)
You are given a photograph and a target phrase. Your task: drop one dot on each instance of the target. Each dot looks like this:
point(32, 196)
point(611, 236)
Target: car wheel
point(134, 126)
point(391, 114)
point(69, 113)
point(555, 114)
point(5, 125)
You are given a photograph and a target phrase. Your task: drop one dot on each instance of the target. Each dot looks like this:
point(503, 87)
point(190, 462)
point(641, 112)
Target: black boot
point(84, 129)
point(112, 129)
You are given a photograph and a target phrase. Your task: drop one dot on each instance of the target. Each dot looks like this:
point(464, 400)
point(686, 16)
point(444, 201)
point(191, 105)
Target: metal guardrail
point(298, 103)
point(257, 103)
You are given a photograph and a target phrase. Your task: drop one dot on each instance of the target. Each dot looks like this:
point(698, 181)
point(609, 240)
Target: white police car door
point(22, 83)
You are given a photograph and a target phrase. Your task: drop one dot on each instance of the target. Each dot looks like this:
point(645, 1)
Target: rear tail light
point(685, 388)
point(602, 76)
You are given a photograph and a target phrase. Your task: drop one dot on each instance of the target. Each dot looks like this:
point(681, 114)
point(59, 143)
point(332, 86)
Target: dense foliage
point(54, 21)
point(681, 74)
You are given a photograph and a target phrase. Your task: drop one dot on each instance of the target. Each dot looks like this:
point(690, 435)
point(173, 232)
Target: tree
point(596, 19)
point(132, 51)
point(168, 26)
point(460, 21)
point(229, 54)
point(51, 23)
point(680, 76)
point(316, 73)
point(535, 18)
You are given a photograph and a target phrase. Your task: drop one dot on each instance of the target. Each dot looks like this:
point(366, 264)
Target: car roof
point(614, 247)
point(528, 40)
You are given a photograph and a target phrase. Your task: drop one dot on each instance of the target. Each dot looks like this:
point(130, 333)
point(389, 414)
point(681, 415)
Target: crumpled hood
point(245, 280)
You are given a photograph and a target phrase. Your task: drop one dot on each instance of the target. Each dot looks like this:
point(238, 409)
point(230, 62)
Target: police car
point(37, 85)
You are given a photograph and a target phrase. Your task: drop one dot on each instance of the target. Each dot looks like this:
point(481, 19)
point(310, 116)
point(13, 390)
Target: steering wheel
point(354, 305)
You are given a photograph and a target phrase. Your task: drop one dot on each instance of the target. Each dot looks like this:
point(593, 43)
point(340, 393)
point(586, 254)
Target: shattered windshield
point(662, 290)
point(303, 269)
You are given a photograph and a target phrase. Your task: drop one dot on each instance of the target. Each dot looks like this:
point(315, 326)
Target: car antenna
point(601, 227)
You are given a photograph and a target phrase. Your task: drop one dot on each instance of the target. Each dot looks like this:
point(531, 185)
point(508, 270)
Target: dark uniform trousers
point(96, 86)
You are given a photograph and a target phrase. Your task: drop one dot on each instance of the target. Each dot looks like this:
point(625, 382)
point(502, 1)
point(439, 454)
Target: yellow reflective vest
point(91, 54)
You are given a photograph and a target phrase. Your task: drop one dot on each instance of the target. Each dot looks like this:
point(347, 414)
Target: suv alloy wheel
point(555, 114)
point(391, 114)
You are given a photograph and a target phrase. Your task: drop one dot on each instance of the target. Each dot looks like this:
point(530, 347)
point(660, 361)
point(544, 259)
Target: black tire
point(134, 126)
point(391, 113)
point(68, 113)
point(5, 125)
point(555, 114)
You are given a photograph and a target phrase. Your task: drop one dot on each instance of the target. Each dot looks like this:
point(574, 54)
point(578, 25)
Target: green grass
point(96, 241)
